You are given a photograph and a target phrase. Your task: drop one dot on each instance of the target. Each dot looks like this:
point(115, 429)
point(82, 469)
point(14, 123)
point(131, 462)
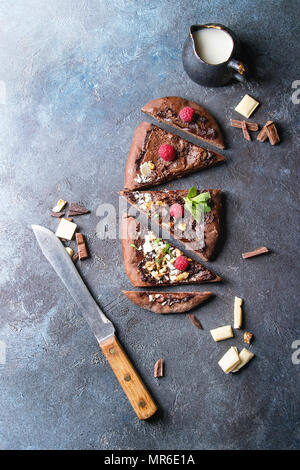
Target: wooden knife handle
point(139, 397)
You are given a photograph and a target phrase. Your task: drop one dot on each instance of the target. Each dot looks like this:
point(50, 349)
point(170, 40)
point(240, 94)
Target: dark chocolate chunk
point(159, 368)
point(245, 131)
point(256, 252)
point(262, 136)
point(194, 320)
point(57, 214)
point(252, 126)
point(82, 250)
point(77, 209)
point(272, 133)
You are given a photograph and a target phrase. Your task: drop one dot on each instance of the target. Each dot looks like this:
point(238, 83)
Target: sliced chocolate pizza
point(186, 116)
point(192, 217)
point(157, 156)
point(167, 302)
point(151, 261)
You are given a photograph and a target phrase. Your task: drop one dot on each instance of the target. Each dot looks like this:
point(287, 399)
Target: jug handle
point(240, 68)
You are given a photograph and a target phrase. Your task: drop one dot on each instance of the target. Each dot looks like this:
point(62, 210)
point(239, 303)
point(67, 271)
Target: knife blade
point(101, 326)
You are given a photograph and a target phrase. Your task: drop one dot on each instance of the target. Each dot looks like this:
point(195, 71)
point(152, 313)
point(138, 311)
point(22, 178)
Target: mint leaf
point(133, 246)
point(188, 204)
point(196, 204)
point(206, 207)
point(166, 248)
point(157, 240)
point(192, 192)
point(197, 212)
point(202, 197)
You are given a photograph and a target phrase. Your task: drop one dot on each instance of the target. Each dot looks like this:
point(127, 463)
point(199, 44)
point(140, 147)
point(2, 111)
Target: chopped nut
point(151, 165)
point(69, 251)
point(150, 265)
point(182, 226)
point(163, 270)
point(178, 253)
point(248, 337)
point(66, 229)
point(148, 204)
point(59, 206)
point(156, 275)
point(159, 203)
point(182, 276)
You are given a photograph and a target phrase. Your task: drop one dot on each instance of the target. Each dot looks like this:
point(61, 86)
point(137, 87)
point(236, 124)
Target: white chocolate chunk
point(238, 312)
point(145, 169)
point(224, 332)
point(247, 106)
point(66, 229)
point(245, 357)
point(59, 206)
point(230, 360)
point(70, 251)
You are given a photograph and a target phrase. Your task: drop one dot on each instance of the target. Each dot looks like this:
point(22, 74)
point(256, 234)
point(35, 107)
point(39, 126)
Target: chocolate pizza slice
point(151, 261)
point(157, 156)
point(192, 217)
point(186, 116)
point(167, 302)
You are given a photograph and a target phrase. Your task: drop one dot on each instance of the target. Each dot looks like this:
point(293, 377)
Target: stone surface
point(76, 74)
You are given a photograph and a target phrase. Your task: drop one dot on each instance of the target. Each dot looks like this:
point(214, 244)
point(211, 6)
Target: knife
point(137, 394)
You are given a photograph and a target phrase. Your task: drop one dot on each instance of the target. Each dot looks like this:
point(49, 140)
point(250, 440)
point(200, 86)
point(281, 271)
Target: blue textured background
point(76, 75)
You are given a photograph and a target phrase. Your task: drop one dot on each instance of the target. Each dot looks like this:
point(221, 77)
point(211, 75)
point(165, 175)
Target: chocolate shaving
point(77, 209)
point(256, 252)
point(75, 256)
point(194, 320)
point(245, 131)
point(57, 214)
point(252, 126)
point(248, 337)
point(272, 133)
point(82, 250)
point(262, 136)
point(159, 368)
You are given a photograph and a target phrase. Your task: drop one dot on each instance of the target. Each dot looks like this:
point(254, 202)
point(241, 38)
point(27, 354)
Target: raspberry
point(167, 152)
point(187, 114)
point(176, 210)
point(181, 263)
